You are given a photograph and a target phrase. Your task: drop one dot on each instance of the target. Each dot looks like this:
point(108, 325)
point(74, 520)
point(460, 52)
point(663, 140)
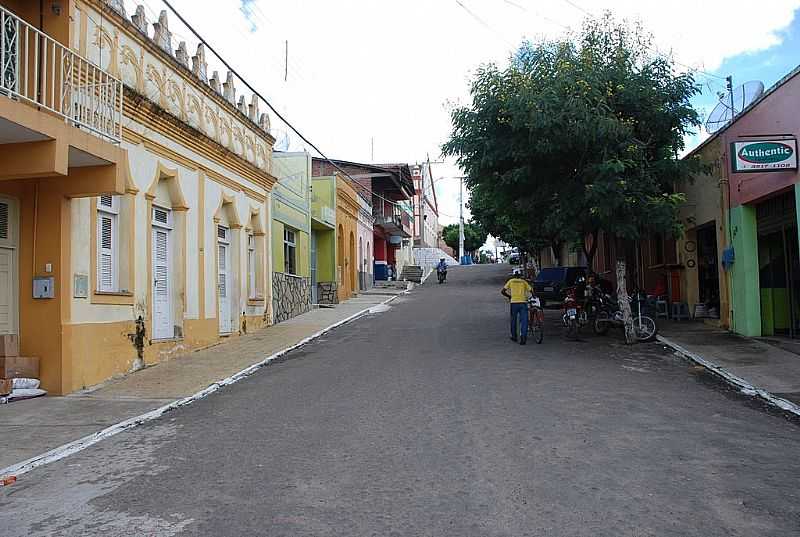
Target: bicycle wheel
point(645, 328)
point(537, 325)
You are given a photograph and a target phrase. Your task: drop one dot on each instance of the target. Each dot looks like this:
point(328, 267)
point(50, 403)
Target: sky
point(375, 80)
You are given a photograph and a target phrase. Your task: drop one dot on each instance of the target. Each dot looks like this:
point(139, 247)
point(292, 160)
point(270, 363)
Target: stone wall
point(291, 296)
point(327, 293)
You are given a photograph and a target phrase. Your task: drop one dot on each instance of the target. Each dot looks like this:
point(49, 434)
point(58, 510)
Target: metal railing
point(41, 71)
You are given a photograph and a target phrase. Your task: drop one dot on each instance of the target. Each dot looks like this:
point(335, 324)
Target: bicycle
point(535, 319)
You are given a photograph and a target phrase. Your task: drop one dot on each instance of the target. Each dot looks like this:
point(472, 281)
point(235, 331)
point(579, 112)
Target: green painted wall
point(746, 296)
point(303, 255)
point(303, 252)
point(292, 216)
point(277, 246)
point(323, 195)
point(326, 255)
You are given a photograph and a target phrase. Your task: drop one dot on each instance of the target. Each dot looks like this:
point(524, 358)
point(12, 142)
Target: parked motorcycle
point(442, 275)
point(609, 314)
point(572, 314)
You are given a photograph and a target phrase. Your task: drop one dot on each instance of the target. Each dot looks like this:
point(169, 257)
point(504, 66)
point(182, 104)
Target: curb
point(744, 386)
point(80, 444)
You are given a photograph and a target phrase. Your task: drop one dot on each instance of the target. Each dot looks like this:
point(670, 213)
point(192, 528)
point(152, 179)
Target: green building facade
point(291, 235)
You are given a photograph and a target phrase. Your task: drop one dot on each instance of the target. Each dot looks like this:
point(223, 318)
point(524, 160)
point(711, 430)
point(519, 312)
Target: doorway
point(779, 266)
point(9, 289)
point(223, 280)
point(708, 268)
point(163, 327)
point(314, 298)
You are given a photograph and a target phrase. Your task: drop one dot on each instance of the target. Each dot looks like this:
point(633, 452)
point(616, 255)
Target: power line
point(647, 46)
point(485, 24)
point(269, 105)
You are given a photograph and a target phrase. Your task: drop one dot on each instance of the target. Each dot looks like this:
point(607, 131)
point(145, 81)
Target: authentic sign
point(764, 156)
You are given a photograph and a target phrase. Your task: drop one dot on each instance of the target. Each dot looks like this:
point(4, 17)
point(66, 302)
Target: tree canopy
point(576, 135)
point(474, 236)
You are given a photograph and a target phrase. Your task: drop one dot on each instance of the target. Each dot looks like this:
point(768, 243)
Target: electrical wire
point(274, 110)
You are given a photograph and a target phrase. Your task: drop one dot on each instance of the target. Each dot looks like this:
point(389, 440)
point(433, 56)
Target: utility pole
point(461, 220)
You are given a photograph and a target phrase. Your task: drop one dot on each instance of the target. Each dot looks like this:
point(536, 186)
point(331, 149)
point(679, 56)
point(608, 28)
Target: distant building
point(391, 190)
point(426, 208)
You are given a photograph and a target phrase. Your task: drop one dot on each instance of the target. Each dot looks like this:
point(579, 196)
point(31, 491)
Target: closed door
point(313, 268)
point(8, 292)
point(162, 311)
point(223, 290)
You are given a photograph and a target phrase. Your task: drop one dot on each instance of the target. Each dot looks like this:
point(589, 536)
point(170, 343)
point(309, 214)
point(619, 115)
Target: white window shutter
point(3, 220)
point(106, 243)
point(251, 266)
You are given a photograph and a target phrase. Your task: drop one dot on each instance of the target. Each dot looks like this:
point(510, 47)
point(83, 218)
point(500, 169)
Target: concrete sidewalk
point(30, 428)
point(757, 367)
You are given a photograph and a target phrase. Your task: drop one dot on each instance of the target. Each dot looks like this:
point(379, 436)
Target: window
point(289, 251)
point(108, 243)
point(251, 266)
point(161, 217)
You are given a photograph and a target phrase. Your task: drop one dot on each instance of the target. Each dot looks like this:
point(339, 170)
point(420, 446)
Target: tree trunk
point(624, 305)
point(591, 251)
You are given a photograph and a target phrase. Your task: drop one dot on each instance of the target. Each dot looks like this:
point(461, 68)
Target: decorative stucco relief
point(160, 80)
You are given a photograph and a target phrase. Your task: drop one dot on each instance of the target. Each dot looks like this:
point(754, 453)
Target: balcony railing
point(41, 71)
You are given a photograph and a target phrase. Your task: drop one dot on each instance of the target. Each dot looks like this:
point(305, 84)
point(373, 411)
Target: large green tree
point(474, 236)
point(576, 136)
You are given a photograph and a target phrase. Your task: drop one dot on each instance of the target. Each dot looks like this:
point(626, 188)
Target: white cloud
point(371, 69)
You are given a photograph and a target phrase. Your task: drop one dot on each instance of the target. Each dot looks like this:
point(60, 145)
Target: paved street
point(426, 420)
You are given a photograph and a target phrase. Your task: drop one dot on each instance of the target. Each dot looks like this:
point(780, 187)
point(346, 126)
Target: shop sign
point(764, 156)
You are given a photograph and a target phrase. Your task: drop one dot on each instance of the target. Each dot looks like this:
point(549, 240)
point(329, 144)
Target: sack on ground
point(26, 384)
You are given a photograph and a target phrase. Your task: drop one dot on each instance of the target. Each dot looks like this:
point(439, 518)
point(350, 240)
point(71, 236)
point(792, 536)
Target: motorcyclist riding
point(441, 270)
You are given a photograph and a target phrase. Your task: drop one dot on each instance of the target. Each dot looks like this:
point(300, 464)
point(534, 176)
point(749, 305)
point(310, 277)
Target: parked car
point(551, 282)
point(514, 258)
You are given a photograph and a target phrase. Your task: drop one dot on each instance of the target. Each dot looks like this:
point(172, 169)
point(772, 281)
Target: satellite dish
point(283, 141)
point(743, 96)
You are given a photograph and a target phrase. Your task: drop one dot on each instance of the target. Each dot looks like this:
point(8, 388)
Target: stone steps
point(412, 273)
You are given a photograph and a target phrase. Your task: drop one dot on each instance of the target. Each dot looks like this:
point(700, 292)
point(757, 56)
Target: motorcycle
point(442, 275)
point(609, 314)
point(572, 314)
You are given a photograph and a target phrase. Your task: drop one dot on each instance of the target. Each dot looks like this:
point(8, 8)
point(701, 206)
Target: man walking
point(517, 291)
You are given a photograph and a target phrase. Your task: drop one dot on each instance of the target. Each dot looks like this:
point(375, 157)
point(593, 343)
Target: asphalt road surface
point(425, 420)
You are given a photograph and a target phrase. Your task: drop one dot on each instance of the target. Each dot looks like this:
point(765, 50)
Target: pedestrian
point(517, 291)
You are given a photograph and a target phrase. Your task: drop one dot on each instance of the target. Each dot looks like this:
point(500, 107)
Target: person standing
point(517, 291)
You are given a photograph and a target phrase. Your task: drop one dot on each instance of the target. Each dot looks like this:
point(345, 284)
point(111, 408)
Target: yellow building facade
point(347, 207)
point(136, 195)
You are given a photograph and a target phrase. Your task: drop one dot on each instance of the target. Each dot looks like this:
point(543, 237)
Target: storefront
point(779, 265)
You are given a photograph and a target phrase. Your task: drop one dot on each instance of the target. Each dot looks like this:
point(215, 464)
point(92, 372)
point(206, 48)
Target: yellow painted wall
point(346, 225)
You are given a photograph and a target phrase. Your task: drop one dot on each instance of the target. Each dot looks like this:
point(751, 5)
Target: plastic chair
point(662, 309)
point(680, 311)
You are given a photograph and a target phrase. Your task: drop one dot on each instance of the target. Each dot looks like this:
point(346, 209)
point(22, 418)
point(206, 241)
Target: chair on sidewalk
point(680, 311)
